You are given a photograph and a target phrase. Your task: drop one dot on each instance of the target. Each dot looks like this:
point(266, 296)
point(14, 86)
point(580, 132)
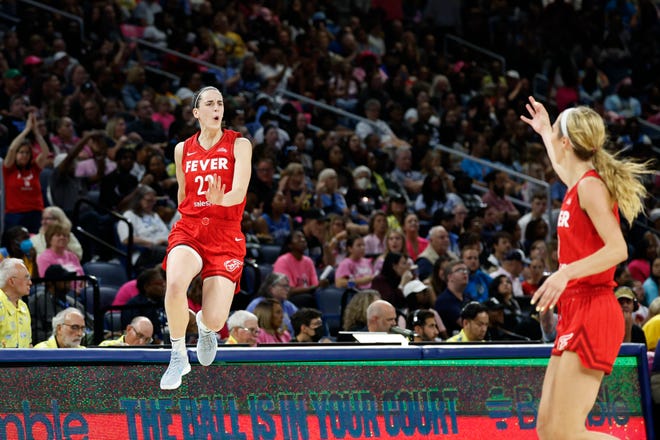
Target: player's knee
point(213, 320)
point(176, 288)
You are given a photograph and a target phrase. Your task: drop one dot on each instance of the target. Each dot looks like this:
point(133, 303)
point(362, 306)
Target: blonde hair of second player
point(586, 132)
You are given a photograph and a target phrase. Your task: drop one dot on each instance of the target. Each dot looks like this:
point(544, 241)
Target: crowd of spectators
point(94, 111)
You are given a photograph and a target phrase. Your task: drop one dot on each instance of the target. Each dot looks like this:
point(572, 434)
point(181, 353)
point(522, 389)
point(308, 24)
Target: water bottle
point(351, 283)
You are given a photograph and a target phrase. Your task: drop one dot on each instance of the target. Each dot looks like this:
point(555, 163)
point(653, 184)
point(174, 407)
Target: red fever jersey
point(578, 238)
point(199, 166)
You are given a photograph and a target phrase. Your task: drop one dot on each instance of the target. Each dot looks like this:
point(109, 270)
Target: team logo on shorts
point(563, 341)
point(233, 264)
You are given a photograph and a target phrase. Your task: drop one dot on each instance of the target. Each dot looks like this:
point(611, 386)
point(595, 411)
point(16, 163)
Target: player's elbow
point(619, 251)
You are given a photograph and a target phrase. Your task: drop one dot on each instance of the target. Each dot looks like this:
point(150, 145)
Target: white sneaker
point(207, 344)
point(179, 366)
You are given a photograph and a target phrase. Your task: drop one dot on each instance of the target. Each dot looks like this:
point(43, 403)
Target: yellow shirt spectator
point(461, 337)
point(15, 324)
point(119, 342)
point(652, 332)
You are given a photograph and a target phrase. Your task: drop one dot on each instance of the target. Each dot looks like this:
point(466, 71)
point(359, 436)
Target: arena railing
point(9, 17)
point(515, 174)
point(449, 39)
point(124, 253)
point(72, 17)
point(84, 295)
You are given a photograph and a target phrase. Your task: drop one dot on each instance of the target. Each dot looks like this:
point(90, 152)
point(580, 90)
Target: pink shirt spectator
point(357, 269)
point(301, 273)
point(87, 167)
point(164, 119)
point(127, 291)
point(68, 260)
point(373, 245)
point(62, 146)
point(422, 243)
point(267, 338)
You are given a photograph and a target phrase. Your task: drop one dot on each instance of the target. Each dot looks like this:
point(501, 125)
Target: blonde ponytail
point(586, 130)
point(623, 180)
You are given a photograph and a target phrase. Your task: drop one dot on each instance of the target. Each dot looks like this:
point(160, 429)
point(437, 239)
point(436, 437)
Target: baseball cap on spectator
point(12, 74)
point(58, 272)
point(414, 286)
point(314, 214)
point(516, 255)
point(513, 74)
point(493, 304)
point(60, 56)
point(32, 60)
point(624, 292)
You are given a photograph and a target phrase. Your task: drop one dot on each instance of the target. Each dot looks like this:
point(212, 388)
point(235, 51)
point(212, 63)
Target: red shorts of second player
point(219, 243)
point(591, 325)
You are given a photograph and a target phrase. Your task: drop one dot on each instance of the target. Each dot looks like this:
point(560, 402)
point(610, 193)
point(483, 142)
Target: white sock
point(203, 328)
point(179, 344)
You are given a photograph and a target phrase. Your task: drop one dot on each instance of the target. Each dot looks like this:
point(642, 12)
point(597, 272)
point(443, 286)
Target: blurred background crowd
point(389, 159)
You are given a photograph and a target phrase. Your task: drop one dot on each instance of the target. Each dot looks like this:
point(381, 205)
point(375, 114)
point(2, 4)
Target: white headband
point(202, 91)
point(562, 121)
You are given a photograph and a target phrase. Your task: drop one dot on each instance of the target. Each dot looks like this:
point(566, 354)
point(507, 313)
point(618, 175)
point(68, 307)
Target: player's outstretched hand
point(216, 192)
point(539, 121)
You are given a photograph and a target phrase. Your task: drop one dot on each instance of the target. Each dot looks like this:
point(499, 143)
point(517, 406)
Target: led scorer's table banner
point(435, 391)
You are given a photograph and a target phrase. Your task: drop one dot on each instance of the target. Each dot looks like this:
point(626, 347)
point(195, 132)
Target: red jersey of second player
point(578, 237)
point(199, 165)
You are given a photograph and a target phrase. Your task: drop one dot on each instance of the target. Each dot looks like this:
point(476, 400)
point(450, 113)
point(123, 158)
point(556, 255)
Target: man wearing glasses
point(139, 332)
point(15, 322)
point(68, 330)
point(243, 328)
point(450, 302)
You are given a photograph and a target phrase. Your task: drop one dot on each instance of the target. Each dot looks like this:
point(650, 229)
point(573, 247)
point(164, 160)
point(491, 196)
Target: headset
point(634, 297)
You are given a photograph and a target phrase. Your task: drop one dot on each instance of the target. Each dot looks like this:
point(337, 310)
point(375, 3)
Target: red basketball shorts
point(591, 325)
point(219, 243)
